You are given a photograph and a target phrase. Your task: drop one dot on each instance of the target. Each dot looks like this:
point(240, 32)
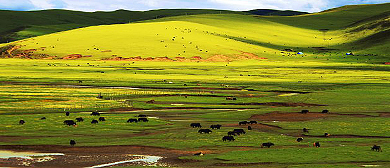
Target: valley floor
point(175, 94)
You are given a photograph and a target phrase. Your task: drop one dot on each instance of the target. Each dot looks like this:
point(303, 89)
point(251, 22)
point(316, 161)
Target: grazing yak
point(305, 111)
point(249, 128)
point(198, 154)
point(239, 131)
point(102, 119)
point(216, 126)
point(196, 125)
point(43, 118)
point(21, 122)
point(228, 138)
point(243, 123)
point(305, 130)
point(231, 98)
point(132, 120)
point(325, 111)
point(376, 148)
point(252, 122)
point(95, 114)
point(326, 135)
point(317, 144)
point(232, 133)
point(80, 119)
point(268, 144)
point(143, 120)
point(206, 131)
point(70, 123)
point(94, 121)
point(99, 96)
point(299, 139)
point(72, 142)
point(67, 113)
point(151, 101)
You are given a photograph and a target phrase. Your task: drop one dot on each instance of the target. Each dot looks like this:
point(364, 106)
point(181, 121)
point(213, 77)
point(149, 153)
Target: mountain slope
point(334, 19)
point(222, 37)
point(271, 12)
point(23, 24)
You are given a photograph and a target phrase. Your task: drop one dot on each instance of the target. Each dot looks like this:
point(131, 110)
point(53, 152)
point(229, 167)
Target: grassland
point(33, 89)
point(271, 91)
point(17, 25)
point(226, 37)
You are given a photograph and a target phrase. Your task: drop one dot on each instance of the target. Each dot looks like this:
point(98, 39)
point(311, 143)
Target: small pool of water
point(146, 159)
point(5, 154)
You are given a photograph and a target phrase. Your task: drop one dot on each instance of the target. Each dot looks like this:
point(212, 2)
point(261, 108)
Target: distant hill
point(23, 24)
point(337, 18)
point(271, 12)
point(18, 25)
point(214, 35)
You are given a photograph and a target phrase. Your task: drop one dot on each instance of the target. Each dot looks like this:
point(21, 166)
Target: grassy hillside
point(193, 82)
point(23, 24)
point(223, 37)
point(188, 36)
point(335, 19)
point(271, 12)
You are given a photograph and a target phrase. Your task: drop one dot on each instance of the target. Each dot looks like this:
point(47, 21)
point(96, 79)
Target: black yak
point(268, 144)
point(228, 138)
point(72, 142)
point(80, 119)
point(70, 123)
point(305, 111)
point(95, 114)
point(239, 131)
point(132, 120)
point(196, 125)
point(143, 120)
point(216, 126)
point(206, 131)
point(243, 123)
point(376, 148)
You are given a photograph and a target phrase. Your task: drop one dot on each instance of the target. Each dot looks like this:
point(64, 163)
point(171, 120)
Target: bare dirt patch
point(215, 58)
point(384, 115)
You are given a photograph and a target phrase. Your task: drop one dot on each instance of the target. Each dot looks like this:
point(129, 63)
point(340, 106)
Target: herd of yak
point(229, 137)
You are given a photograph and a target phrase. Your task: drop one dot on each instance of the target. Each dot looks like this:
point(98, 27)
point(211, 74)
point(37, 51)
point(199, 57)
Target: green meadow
point(176, 92)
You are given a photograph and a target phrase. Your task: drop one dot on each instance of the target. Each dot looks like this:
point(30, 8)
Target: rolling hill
point(361, 29)
point(18, 25)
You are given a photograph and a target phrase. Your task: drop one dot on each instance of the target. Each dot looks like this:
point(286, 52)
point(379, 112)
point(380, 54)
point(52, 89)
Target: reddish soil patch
point(289, 116)
point(5, 138)
point(384, 115)
point(387, 63)
point(215, 58)
point(73, 56)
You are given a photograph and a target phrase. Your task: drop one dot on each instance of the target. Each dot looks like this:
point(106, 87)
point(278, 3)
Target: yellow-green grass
point(32, 89)
point(141, 39)
point(197, 35)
